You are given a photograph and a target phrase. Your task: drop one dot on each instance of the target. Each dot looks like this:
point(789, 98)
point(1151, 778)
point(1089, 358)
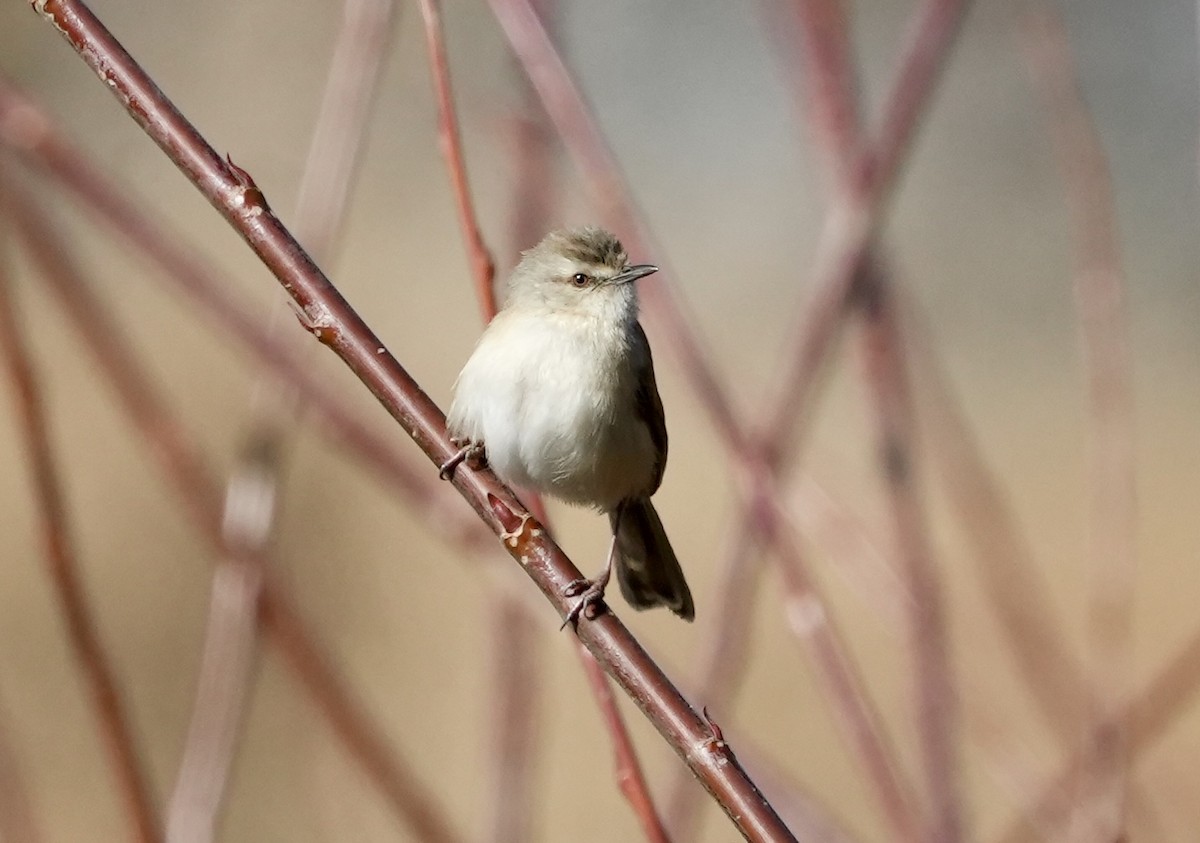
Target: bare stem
point(936, 696)
point(63, 565)
point(332, 320)
point(483, 268)
point(28, 131)
point(253, 490)
point(1100, 300)
point(200, 494)
point(630, 778)
point(860, 204)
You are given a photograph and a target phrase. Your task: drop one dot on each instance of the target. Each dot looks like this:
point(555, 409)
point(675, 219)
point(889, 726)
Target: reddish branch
point(200, 494)
point(253, 489)
point(859, 206)
point(483, 268)
point(868, 177)
point(630, 779)
point(1100, 300)
point(63, 565)
point(936, 695)
point(610, 194)
point(16, 806)
point(29, 132)
point(575, 124)
point(331, 319)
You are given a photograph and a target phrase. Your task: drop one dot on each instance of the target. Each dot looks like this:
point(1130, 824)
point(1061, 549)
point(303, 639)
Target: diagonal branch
point(631, 781)
point(331, 319)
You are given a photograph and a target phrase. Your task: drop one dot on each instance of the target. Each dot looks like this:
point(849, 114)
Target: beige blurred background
point(698, 108)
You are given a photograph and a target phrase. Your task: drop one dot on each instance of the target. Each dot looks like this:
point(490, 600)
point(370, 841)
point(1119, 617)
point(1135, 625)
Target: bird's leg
point(591, 591)
point(472, 453)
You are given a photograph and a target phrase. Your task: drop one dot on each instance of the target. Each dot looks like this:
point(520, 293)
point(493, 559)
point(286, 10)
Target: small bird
point(559, 397)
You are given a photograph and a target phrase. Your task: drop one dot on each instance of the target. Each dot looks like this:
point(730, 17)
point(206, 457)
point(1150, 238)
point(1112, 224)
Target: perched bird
point(559, 397)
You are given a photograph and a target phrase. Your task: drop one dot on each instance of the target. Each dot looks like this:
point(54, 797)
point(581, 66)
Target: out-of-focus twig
point(1100, 300)
point(63, 565)
point(253, 490)
point(362, 47)
point(200, 494)
point(610, 194)
point(1016, 588)
point(859, 205)
point(936, 694)
point(330, 318)
point(517, 663)
point(16, 807)
point(222, 690)
point(29, 132)
point(575, 125)
point(868, 176)
point(1160, 703)
point(630, 778)
point(483, 267)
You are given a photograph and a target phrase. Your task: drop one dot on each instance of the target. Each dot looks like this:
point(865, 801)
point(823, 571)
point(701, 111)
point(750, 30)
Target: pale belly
point(556, 416)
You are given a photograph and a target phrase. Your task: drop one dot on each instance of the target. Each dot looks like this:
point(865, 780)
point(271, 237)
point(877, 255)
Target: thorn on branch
point(717, 734)
point(252, 197)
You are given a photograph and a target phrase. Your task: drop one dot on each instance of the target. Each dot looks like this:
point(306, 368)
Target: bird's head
point(584, 270)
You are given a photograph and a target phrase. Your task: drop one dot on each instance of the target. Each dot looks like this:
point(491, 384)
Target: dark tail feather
point(647, 569)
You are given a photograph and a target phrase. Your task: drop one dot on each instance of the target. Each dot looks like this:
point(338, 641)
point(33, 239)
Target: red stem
point(63, 565)
point(196, 486)
point(332, 320)
point(483, 268)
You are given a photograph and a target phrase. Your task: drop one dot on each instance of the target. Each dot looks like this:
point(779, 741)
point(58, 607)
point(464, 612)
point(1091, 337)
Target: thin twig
point(63, 565)
point(335, 149)
point(483, 267)
point(858, 209)
point(1162, 701)
point(28, 131)
point(936, 694)
point(1014, 583)
point(200, 494)
point(810, 622)
point(610, 194)
point(515, 708)
point(566, 107)
point(1100, 300)
point(17, 820)
point(630, 778)
point(332, 320)
point(518, 658)
point(253, 490)
point(868, 178)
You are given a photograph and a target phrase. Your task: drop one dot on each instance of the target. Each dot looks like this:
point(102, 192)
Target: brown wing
point(648, 405)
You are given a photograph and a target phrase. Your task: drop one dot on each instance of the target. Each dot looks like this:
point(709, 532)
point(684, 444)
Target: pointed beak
point(633, 273)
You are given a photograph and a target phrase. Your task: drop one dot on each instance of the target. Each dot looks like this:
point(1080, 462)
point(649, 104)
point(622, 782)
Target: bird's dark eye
point(579, 279)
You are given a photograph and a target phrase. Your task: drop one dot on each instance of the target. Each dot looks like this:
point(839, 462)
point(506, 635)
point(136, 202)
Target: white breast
point(552, 400)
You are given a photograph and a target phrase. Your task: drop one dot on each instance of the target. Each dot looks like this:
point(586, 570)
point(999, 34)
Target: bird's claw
point(590, 593)
point(472, 453)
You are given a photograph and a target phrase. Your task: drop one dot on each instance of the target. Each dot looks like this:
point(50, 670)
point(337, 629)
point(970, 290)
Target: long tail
point(647, 569)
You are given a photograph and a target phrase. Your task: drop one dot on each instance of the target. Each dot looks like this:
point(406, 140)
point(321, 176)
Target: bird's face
point(580, 271)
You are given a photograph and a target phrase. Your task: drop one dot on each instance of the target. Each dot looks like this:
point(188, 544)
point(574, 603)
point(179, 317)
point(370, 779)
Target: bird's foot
point(472, 453)
point(590, 594)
